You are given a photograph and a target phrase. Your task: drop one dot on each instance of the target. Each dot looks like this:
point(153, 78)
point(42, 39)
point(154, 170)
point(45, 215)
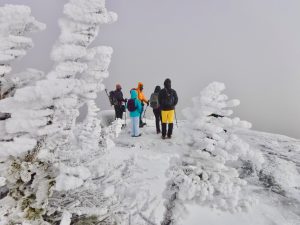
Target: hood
point(133, 94)
point(157, 89)
point(140, 84)
point(118, 87)
point(167, 83)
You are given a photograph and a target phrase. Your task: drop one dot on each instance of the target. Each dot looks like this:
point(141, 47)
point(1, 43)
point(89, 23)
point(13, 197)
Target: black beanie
point(157, 89)
point(167, 83)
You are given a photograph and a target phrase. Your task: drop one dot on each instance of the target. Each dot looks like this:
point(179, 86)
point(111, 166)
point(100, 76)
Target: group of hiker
point(162, 101)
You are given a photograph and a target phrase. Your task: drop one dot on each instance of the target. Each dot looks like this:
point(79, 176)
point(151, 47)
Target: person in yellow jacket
point(143, 100)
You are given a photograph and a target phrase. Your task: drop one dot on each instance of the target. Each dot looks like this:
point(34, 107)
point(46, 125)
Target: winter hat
point(157, 89)
point(167, 83)
point(140, 84)
point(118, 86)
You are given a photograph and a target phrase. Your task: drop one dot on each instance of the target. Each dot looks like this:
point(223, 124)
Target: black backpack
point(112, 98)
point(169, 100)
point(131, 105)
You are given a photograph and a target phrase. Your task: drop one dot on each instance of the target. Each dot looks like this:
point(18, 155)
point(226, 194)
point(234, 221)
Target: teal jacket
point(138, 104)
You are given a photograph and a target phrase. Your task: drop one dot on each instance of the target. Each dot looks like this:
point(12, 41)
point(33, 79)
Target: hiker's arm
point(143, 98)
point(176, 98)
point(159, 98)
point(139, 106)
point(123, 99)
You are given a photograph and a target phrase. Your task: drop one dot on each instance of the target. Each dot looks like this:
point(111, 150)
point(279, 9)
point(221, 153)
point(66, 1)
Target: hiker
point(118, 102)
point(154, 104)
point(143, 100)
point(167, 99)
point(134, 106)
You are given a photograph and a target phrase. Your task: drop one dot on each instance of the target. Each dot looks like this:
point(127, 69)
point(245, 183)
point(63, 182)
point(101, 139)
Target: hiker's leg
point(171, 114)
point(136, 126)
point(116, 112)
point(164, 116)
point(132, 126)
point(160, 118)
point(163, 129)
point(157, 119)
point(141, 121)
point(170, 129)
point(121, 112)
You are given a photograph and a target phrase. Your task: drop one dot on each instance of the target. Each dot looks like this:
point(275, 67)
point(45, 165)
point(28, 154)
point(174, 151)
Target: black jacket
point(119, 97)
point(165, 94)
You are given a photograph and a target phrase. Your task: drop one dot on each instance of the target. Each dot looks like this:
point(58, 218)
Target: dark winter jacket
point(167, 95)
point(119, 97)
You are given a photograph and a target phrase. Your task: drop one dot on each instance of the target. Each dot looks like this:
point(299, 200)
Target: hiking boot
point(169, 136)
point(163, 137)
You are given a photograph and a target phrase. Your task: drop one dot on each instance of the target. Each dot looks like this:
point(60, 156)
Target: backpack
point(131, 105)
point(154, 101)
point(112, 98)
point(169, 99)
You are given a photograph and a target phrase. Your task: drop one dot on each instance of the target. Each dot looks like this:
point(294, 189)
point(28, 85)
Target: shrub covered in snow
point(206, 172)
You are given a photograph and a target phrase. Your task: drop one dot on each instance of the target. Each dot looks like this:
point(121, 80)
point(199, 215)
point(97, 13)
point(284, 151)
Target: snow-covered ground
point(143, 163)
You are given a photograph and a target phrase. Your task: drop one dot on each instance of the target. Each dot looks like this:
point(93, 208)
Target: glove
point(125, 99)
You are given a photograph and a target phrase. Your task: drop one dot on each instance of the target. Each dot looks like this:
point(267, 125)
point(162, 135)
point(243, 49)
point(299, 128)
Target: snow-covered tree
point(74, 145)
point(16, 22)
point(206, 173)
point(41, 133)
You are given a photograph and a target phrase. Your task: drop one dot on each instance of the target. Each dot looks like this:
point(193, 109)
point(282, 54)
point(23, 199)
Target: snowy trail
point(143, 179)
point(140, 164)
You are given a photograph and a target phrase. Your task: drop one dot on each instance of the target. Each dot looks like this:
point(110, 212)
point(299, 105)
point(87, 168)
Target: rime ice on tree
point(84, 69)
point(205, 173)
point(15, 23)
point(43, 112)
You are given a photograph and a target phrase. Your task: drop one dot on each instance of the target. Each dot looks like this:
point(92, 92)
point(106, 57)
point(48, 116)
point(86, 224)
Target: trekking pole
point(108, 96)
point(125, 116)
point(176, 118)
point(145, 113)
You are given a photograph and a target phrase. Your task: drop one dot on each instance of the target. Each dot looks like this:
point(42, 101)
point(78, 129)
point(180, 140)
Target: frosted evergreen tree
point(74, 145)
point(16, 22)
point(27, 179)
point(40, 132)
point(206, 173)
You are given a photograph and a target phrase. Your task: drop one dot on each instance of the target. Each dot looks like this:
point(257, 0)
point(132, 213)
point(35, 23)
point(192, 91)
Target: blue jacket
point(138, 104)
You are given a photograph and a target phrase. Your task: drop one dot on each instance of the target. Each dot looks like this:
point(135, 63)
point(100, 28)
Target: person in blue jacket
point(134, 106)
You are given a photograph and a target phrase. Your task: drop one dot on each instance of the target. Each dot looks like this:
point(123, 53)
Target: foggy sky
point(252, 46)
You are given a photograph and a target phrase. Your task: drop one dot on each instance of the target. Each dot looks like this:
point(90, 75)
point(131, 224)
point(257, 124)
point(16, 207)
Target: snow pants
point(141, 116)
point(157, 114)
point(135, 131)
point(119, 109)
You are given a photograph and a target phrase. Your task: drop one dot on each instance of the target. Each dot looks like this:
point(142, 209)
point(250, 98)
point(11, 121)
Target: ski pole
point(176, 118)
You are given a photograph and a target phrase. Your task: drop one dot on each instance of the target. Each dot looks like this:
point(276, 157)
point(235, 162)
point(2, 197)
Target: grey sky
point(252, 46)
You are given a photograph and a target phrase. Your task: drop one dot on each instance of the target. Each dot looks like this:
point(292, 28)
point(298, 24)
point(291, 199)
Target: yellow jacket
point(141, 95)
